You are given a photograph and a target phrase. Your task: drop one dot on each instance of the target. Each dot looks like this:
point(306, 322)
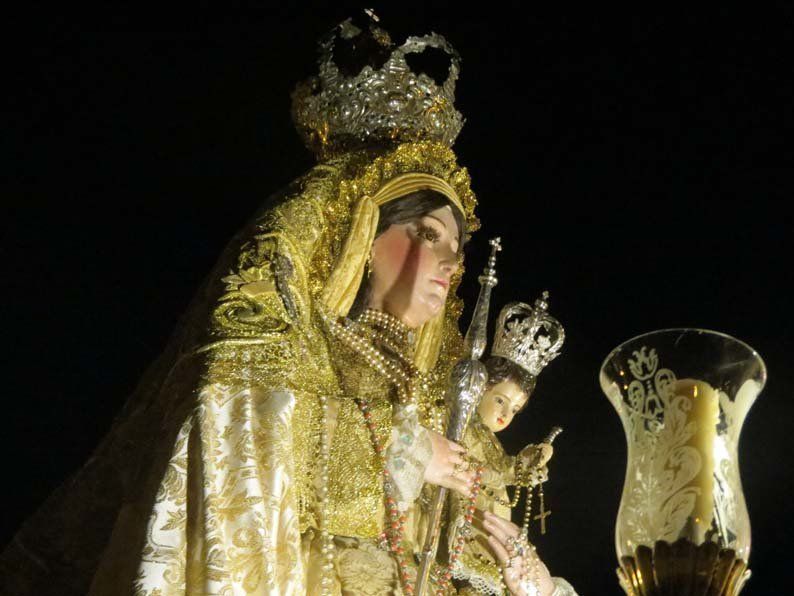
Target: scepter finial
point(475, 340)
point(496, 246)
point(488, 277)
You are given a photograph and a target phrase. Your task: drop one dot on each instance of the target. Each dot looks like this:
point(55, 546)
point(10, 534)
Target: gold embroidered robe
point(205, 483)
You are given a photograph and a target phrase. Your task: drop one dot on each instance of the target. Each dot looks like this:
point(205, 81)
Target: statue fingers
point(459, 479)
point(546, 452)
point(500, 551)
point(506, 527)
point(511, 575)
point(514, 567)
point(522, 566)
point(453, 446)
point(457, 484)
point(459, 461)
point(443, 447)
point(497, 532)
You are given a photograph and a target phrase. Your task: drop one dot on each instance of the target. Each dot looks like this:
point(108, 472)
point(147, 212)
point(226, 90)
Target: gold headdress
point(381, 130)
point(409, 167)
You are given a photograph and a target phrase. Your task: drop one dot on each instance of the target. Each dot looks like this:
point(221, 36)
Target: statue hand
point(538, 476)
point(447, 467)
point(523, 572)
point(535, 456)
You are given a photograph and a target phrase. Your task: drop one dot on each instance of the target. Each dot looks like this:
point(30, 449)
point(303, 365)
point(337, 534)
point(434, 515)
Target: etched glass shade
point(682, 396)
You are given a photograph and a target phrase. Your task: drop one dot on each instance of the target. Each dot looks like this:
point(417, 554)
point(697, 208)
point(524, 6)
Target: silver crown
point(528, 336)
point(388, 105)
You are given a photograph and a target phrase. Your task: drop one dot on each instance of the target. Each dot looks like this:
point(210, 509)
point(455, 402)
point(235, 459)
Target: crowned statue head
point(526, 339)
point(395, 205)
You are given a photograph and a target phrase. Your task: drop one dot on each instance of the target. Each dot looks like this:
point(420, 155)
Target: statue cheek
point(486, 410)
point(420, 261)
point(392, 252)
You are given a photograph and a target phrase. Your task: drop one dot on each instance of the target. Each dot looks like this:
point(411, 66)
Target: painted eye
point(426, 232)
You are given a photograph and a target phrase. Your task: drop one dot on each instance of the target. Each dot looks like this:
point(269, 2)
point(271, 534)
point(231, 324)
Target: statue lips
point(442, 282)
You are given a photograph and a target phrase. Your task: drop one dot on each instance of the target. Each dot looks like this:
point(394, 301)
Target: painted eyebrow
point(518, 404)
point(437, 219)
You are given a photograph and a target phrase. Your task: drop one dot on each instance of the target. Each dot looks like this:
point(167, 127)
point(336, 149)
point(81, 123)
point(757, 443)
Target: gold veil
point(226, 420)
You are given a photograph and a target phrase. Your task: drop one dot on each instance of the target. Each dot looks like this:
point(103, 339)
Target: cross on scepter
point(489, 274)
point(496, 246)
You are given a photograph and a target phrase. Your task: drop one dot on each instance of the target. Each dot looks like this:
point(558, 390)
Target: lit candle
point(704, 413)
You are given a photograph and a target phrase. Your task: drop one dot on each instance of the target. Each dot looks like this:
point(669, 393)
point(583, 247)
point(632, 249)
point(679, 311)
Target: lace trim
point(563, 588)
point(408, 455)
point(483, 585)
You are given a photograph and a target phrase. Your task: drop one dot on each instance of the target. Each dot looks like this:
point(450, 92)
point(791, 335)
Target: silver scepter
point(467, 384)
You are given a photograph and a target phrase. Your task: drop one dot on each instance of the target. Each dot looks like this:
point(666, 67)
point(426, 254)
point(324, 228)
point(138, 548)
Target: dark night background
point(637, 166)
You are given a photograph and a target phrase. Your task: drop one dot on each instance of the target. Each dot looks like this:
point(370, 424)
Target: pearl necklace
point(326, 540)
point(389, 323)
point(403, 374)
point(389, 331)
point(392, 333)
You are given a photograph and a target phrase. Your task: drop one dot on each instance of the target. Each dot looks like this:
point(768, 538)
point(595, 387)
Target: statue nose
point(449, 266)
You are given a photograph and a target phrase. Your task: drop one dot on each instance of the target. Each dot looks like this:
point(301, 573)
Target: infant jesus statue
point(525, 341)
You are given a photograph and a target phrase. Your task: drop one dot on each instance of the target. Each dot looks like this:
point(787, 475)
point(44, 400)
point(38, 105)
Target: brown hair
point(501, 369)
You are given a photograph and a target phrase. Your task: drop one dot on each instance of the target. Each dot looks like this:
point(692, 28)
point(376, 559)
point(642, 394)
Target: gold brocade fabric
point(206, 483)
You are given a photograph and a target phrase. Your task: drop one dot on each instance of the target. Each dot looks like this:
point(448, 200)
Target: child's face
point(500, 403)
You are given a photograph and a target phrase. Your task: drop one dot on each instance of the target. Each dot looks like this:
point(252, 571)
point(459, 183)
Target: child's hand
point(535, 456)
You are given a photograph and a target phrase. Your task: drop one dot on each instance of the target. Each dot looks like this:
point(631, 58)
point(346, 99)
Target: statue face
point(412, 264)
point(500, 403)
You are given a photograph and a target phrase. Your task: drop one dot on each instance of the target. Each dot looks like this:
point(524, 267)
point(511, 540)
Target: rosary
point(524, 480)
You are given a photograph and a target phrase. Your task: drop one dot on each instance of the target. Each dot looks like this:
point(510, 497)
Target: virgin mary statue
point(243, 463)
point(281, 443)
